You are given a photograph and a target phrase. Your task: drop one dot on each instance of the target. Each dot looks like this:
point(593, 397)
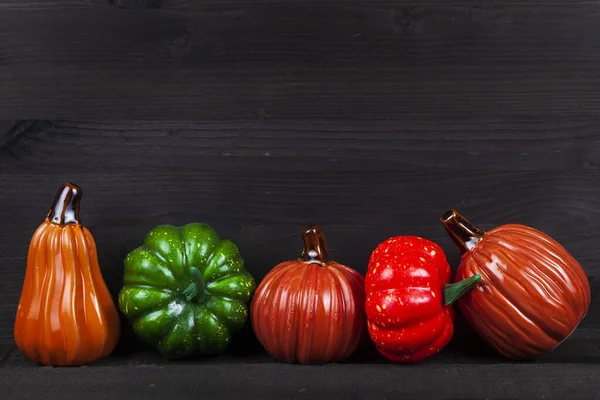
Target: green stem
point(196, 288)
point(453, 291)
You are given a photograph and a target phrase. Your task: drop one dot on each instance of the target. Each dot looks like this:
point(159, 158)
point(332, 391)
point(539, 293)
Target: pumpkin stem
point(195, 290)
point(65, 209)
point(463, 233)
point(453, 291)
point(315, 245)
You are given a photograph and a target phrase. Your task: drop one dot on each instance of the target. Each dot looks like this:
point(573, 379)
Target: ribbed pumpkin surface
point(532, 295)
point(66, 316)
point(307, 313)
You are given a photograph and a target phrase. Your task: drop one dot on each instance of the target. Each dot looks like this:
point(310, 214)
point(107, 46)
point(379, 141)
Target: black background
point(259, 117)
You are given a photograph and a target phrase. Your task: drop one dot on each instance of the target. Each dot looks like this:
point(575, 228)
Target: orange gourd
point(66, 315)
point(532, 294)
point(310, 310)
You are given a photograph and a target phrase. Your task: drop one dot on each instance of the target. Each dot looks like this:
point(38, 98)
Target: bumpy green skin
point(157, 275)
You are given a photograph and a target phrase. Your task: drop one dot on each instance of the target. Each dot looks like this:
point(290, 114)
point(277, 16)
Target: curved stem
point(65, 209)
point(315, 245)
point(453, 291)
point(195, 290)
point(463, 233)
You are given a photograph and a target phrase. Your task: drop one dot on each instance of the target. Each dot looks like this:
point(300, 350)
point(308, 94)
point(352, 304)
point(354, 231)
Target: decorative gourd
point(409, 297)
point(66, 316)
point(310, 310)
point(186, 290)
point(532, 293)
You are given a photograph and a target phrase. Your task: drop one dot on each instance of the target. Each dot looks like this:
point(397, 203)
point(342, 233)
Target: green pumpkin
point(186, 291)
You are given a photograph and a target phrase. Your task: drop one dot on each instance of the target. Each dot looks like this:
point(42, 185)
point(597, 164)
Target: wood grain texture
point(299, 61)
point(466, 347)
point(263, 212)
point(371, 118)
point(502, 143)
point(276, 381)
point(260, 183)
point(202, 5)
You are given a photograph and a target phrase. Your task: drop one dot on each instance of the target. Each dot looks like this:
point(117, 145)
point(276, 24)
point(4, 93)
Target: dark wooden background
point(260, 116)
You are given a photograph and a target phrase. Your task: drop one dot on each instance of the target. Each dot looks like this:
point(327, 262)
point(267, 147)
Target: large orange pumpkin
point(310, 310)
point(66, 316)
point(532, 293)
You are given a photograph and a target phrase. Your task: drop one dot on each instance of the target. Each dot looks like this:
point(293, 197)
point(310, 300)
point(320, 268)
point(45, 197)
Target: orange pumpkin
point(310, 310)
point(66, 316)
point(532, 293)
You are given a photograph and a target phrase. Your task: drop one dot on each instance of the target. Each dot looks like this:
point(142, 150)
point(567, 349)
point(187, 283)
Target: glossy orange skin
point(66, 316)
point(303, 312)
point(532, 294)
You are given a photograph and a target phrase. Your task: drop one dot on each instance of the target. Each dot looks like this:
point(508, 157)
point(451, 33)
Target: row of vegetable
point(186, 292)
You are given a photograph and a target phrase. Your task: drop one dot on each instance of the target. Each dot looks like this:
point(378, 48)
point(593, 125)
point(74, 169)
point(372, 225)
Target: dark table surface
point(261, 116)
point(466, 369)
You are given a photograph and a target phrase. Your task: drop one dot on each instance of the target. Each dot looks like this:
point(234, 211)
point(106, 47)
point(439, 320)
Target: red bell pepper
point(408, 298)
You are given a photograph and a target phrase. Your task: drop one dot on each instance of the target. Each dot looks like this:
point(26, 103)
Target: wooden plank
point(554, 143)
point(203, 5)
point(256, 180)
point(260, 182)
point(7, 349)
point(264, 211)
point(298, 61)
point(276, 381)
point(466, 347)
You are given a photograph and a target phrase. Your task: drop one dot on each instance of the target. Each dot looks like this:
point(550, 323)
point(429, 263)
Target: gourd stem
point(65, 209)
point(195, 290)
point(315, 245)
point(463, 233)
point(453, 291)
